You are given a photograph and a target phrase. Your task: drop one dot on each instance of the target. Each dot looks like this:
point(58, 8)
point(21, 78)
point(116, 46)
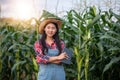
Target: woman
point(49, 51)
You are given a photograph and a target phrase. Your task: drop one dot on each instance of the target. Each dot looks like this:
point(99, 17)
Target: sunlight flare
point(24, 10)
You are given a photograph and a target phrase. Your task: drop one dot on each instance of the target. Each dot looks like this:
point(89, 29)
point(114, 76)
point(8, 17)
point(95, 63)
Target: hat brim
point(46, 21)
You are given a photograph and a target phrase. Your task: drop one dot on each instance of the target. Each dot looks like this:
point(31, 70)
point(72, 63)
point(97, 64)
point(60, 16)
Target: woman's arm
point(40, 57)
point(58, 58)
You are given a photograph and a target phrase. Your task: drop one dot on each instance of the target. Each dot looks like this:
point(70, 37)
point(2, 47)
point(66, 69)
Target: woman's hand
point(63, 56)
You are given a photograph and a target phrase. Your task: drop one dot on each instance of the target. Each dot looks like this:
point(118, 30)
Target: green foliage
point(16, 53)
point(93, 36)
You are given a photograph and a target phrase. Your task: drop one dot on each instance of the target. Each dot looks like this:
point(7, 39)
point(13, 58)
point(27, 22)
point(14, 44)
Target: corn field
point(94, 37)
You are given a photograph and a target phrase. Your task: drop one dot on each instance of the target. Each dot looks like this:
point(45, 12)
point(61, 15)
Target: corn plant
point(17, 54)
point(89, 32)
point(82, 54)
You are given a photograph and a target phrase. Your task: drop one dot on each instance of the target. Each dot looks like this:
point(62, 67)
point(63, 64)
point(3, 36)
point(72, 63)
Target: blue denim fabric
point(51, 71)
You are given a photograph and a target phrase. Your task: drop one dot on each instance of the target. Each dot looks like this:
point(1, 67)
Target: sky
point(25, 9)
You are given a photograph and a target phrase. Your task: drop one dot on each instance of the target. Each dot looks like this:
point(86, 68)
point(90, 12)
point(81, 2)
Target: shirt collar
point(53, 42)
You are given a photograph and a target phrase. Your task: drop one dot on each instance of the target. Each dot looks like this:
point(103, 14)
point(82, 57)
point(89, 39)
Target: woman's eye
point(53, 28)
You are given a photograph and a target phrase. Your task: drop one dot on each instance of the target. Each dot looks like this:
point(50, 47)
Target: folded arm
point(41, 58)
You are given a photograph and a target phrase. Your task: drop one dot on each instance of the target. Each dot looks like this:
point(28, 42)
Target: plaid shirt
point(40, 57)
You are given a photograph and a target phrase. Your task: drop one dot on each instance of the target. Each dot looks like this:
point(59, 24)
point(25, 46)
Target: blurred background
point(90, 28)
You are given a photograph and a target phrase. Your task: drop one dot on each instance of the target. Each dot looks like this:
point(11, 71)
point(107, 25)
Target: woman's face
point(50, 30)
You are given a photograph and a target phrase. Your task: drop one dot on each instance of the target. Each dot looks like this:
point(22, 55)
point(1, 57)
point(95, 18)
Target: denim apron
point(51, 71)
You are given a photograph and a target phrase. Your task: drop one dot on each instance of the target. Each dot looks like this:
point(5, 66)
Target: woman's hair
point(55, 37)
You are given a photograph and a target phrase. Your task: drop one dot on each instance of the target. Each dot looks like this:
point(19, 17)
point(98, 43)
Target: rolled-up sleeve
point(40, 57)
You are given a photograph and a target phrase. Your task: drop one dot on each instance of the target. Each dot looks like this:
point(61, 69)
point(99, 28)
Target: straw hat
point(46, 21)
